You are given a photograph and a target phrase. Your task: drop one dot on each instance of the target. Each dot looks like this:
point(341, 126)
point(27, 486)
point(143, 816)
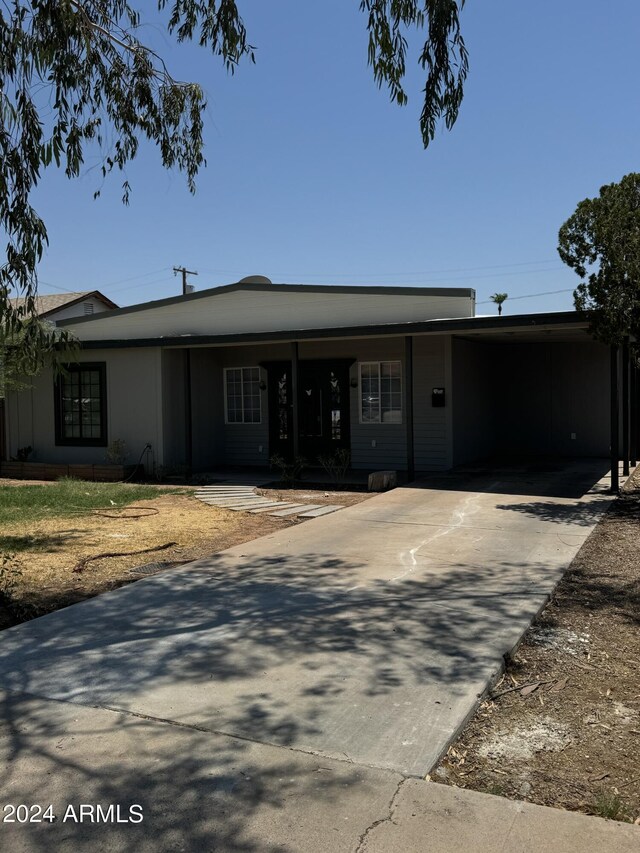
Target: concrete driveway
point(366, 636)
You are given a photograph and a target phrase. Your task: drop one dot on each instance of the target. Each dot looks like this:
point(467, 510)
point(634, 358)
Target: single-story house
point(404, 378)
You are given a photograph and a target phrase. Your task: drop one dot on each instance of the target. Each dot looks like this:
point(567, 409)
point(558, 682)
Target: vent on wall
point(88, 307)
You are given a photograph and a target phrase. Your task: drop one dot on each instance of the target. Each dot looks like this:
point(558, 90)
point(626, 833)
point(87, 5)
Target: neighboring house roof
point(49, 303)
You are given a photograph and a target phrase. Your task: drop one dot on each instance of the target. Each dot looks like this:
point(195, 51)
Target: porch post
point(625, 407)
point(615, 426)
point(294, 399)
point(408, 406)
point(633, 409)
point(188, 414)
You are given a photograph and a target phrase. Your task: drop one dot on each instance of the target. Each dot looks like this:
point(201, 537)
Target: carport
point(542, 390)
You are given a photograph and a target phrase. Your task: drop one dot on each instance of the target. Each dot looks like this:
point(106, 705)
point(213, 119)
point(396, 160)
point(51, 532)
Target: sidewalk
point(201, 791)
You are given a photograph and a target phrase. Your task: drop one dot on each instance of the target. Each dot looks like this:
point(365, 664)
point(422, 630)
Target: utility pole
point(184, 272)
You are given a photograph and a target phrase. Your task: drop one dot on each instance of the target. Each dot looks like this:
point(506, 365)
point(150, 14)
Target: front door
point(323, 408)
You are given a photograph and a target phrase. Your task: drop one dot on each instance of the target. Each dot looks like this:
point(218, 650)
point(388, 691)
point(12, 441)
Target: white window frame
point(226, 399)
point(379, 364)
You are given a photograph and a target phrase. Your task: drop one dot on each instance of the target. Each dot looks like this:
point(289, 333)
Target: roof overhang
point(375, 290)
point(522, 327)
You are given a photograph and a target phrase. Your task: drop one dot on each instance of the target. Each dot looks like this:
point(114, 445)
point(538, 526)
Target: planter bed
point(53, 471)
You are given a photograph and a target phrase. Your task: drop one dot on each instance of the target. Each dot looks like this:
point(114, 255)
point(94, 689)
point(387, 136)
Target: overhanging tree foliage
point(601, 242)
point(74, 74)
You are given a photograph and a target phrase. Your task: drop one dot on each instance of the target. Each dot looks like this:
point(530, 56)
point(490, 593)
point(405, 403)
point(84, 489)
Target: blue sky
point(313, 175)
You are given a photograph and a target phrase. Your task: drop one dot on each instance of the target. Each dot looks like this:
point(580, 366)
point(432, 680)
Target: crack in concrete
point(362, 841)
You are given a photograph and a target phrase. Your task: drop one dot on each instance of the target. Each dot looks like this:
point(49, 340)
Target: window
point(242, 395)
point(380, 392)
point(81, 405)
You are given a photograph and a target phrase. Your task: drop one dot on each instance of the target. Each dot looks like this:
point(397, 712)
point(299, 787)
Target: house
point(407, 378)
point(62, 306)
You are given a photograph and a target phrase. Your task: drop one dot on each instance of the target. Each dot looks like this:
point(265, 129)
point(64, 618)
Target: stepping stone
point(225, 495)
point(245, 507)
point(323, 510)
point(233, 504)
point(224, 488)
point(276, 505)
point(228, 501)
point(227, 492)
point(296, 510)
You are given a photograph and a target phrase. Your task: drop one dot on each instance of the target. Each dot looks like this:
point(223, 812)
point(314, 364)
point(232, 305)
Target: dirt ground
point(316, 496)
point(573, 741)
point(44, 571)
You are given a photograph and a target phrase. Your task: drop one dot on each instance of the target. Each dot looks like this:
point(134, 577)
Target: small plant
point(23, 453)
point(290, 471)
point(609, 806)
point(336, 464)
point(117, 452)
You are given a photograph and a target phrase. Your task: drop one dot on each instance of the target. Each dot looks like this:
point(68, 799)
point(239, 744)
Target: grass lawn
point(66, 497)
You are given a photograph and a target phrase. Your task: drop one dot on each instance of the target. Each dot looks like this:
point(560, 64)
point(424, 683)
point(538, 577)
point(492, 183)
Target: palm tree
point(499, 298)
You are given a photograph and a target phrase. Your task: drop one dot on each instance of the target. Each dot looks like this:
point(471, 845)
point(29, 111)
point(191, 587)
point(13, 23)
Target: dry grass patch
point(46, 551)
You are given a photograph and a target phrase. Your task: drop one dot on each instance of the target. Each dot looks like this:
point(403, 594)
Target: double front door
point(323, 408)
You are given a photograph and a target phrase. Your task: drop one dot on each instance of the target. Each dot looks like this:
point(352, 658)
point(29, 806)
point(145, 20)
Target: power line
point(393, 274)
point(530, 295)
point(54, 286)
point(134, 277)
point(136, 286)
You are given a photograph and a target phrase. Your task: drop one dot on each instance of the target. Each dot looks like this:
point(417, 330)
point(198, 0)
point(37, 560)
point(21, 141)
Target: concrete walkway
point(244, 498)
point(281, 695)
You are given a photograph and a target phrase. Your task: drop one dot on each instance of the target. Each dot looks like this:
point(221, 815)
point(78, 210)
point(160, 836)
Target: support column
point(633, 409)
point(615, 425)
point(295, 420)
point(408, 406)
point(188, 413)
point(625, 408)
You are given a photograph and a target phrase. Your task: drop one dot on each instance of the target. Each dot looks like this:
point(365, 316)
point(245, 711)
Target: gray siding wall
point(173, 408)
point(432, 425)
point(246, 444)
point(207, 402)
point(390, 449)
point(373, 446)
point(529, 398)
point(134, 410)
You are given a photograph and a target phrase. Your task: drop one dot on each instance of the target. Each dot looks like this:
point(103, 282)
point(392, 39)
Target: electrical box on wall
point(437, 397)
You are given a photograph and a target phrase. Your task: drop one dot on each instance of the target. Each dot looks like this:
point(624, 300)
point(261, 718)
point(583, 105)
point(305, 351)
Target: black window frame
point(79, 441)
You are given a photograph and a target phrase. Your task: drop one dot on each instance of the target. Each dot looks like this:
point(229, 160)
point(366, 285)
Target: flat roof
point(533, 323)
point(380, 290)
